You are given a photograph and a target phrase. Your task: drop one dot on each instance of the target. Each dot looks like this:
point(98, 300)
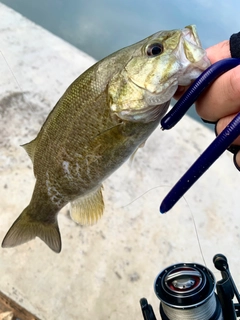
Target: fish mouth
point(190, 34)
point(192, 55)
point(193, 49)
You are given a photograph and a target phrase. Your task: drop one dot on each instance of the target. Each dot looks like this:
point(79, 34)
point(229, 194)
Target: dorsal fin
point(89, 208)
point(30, 148)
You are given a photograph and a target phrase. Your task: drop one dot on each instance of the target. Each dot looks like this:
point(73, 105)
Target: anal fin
point(87, 209)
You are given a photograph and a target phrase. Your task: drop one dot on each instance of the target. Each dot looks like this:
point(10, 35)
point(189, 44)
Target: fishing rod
point(189, 291)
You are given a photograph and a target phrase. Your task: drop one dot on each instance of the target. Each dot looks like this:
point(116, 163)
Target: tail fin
point(25, 228)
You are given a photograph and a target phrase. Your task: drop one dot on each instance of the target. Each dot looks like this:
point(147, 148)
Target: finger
point(222, 123)
point(180, 91)
point(221, 98)
point(219, 51)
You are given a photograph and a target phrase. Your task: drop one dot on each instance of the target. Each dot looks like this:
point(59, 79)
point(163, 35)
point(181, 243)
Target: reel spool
point(187, 292)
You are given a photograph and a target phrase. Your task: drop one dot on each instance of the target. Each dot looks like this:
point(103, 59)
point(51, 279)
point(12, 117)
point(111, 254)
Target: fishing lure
point(216, 148)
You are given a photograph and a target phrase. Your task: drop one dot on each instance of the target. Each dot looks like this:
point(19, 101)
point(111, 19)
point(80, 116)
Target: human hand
point(221, 101)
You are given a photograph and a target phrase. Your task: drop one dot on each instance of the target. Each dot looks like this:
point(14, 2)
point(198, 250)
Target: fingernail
point(206, 121)
point(233, 149)
point(215, 128)
point(235, 162)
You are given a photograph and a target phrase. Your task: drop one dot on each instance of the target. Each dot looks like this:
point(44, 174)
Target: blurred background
point(102, 27)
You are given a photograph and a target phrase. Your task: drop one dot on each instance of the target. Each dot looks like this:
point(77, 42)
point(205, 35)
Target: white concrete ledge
point(103, 270)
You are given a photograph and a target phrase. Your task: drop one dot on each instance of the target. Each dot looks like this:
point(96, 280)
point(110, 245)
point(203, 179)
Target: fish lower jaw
point(190, 76)
point(193, 71)
point(201, 65)
point(164, 94)
point(145, 115)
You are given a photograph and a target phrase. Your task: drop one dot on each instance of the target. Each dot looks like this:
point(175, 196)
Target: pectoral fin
point(134, 153)
point(89, 208)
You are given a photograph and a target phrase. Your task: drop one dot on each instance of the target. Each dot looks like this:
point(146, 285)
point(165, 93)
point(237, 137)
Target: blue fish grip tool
point(217, 147)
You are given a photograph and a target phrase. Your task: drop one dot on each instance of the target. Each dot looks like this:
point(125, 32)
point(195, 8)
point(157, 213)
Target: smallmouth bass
point(104, 116)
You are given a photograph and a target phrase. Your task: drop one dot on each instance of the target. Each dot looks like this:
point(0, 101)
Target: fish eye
point(154, 49)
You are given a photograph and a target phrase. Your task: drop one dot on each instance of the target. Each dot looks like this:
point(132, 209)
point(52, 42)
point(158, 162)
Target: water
point(102, 27)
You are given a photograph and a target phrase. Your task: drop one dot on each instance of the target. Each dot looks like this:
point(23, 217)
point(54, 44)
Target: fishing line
point(11, 72)
point(21, 93)
point(163, 186)
point(196, 232)
point(192, 216)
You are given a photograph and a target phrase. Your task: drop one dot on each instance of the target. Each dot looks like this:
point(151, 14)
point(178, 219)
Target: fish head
point(154, 70)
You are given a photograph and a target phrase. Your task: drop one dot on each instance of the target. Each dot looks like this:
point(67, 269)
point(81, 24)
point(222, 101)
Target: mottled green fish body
point(101, 119)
